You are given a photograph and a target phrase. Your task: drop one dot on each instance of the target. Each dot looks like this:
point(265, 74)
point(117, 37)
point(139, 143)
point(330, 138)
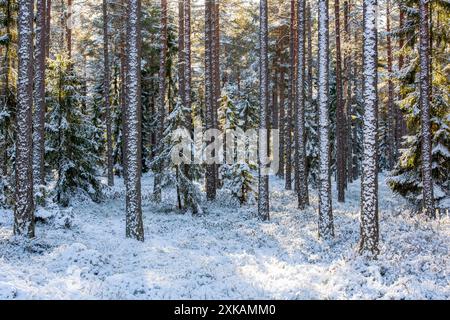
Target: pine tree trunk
point(48, 18)
point(282, 120)
point(123, 92)
point(425, 86)
point(309, 75)
point(291, 102)
point(133, 120)
point(210, 93)
point(369, 179)
point(69, 28)
point(216, 74)
point(302, 186)
point(263, 179)
point(340, 119)
point(187, 96)
point(326, 226)
point(348, 62)
point(161, 101)
point(106, 97)
point(39, 96)
point(24, 203)
point(390, 107)
point(181, 82)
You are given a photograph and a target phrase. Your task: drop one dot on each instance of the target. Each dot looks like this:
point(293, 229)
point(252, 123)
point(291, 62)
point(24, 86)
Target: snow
point(226, 253)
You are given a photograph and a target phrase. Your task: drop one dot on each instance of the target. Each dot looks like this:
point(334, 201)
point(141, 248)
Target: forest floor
point(225, 253)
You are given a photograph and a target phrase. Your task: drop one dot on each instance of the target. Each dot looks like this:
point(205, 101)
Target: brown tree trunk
point(340, 119)
point(161, 101)
point(39, 96)
point(106, 97)
point(390, 106)
point(291, 97)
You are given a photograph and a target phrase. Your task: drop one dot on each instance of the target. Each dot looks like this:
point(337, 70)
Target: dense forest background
point(350, 99)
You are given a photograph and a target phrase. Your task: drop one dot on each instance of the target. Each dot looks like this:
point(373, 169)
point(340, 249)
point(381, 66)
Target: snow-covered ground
point(226, 253)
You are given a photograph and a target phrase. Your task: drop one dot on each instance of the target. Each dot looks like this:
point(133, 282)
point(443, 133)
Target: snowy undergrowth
point(226, 253)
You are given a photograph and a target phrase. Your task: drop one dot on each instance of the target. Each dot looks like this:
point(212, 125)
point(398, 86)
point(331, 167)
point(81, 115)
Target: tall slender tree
point(161, 99)
point(291, 96)
point(106, 95)
point(300, 102)
point(390, 84)
point(340, 119)
point(210, 93)
point(24, 203)
point(133, 119)
point(263, 178)
point(39, 95)
point(425, 96)
point(369, 179)
point(326, 226)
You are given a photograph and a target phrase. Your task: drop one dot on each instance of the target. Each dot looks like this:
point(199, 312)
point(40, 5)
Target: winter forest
point(224, 149)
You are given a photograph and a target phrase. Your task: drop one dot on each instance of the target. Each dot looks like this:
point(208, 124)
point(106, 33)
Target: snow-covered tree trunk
point(340, 118)
point(161, 101)
point(106, 96)
point(425, 96)
point(216, 73)
point(263, 179)
point(300, 101)
point(210, 93)
point(326, 226)
point(133, 118)
point(39, 95)
point(348, 62)
point(24, 203)
point(390, 102)
point(189, 202)
point(309, 73)
point(369, 179)
point(291, 96)
point(282, 120)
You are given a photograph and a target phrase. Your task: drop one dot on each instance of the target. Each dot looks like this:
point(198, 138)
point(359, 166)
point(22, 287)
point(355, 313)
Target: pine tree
point(326, 227)
point(369, 179)
point(291, 97)
point(134, 224)
point(24, 203)
point(71, 145)
point(106, 95)
point(425, 95)
point(340, 119)
point(39, 96)
point(161, 98)
point(263, 178)
point(302, 189)
point(210, 94)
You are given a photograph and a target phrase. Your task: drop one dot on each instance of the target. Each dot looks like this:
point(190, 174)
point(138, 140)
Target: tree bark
point(302, 186)
point(390, 107)
point(326, 226)
point(425, 95)
point(263, 179)
point(340, 119)
point(133, 120)
point(161, 101)
point(291, 96)
point(39, 95)
point(106, 96)
point(369, 179)
point(24, 202)
point(210, 93)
